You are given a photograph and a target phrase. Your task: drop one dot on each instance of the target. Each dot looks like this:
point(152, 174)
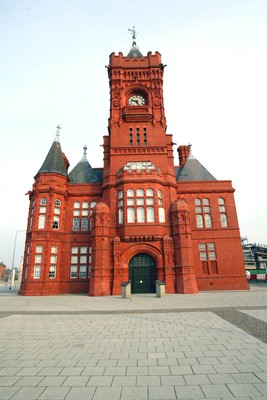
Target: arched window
point(140, 214)
point(57, 203)
point(140, 193)
point(197, 202)
point(161, 214)
point(130, 215)
point(43, 200)
point(208, 222)
point(150, 214)
point(224, 222)
point(199, 220)
point(120, 194)
point(149, 192)
point(130, 193)
point(77, 204)
point(85, 204)
point(41, 221)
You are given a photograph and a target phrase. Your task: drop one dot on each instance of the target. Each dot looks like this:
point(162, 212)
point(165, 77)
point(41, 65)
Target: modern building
point(149, 213)
point(255, 256)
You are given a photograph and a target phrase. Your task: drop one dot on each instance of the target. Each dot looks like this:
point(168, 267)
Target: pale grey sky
point(52, 70)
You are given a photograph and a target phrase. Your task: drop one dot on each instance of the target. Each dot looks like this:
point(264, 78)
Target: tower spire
point(57, 133)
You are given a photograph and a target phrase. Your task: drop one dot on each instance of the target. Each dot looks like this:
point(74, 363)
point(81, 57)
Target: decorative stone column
point(185, 270)
point(100, 280)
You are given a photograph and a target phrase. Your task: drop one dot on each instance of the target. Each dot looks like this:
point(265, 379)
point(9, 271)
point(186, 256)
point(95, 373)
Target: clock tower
point(139, 183)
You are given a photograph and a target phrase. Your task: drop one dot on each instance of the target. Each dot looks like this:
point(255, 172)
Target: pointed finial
point(57, 133)
point(133, 32)
point(84, 158)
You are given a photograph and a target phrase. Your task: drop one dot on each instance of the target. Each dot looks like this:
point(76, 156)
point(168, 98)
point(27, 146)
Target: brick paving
point(180, 348)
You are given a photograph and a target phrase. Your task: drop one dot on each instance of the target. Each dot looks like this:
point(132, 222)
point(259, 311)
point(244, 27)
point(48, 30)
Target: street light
point(13, 258)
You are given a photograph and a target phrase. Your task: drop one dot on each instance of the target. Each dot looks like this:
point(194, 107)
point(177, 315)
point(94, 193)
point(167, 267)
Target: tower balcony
point(137, 113)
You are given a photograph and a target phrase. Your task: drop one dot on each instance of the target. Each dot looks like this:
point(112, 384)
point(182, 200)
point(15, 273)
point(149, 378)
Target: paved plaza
point(212, 345)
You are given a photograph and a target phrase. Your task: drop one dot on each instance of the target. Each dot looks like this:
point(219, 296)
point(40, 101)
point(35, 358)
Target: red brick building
point(139, 217)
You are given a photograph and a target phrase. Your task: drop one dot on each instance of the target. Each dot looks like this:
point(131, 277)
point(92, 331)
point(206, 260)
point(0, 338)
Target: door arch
point(142, 273)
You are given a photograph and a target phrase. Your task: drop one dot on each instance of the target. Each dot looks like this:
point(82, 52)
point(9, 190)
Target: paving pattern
point(171, 353)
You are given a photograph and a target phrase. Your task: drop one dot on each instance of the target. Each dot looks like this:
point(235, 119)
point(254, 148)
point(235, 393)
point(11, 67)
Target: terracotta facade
point(140, 217)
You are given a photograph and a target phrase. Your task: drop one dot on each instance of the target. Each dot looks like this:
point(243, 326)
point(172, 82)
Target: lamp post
point(13, 259)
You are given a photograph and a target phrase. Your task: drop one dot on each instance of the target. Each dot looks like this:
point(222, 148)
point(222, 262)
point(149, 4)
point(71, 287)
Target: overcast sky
point(52, 71)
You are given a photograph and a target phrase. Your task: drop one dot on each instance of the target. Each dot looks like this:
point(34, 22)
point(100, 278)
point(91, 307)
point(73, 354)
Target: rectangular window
point(84, 224)
point(38, 259)
point(54, 249)
point(82, 271)
point(203, 255)
point(212, 255)
point(130, 202)
point(211, 246)
point(53, 259)
point(42, 210)
point(56, 210)
point(74, 250)
point(37, 272)
point(83, 259)
point(41, 221)
point(73, 271)
point(76, 213)
point(74, 259)
point(76, 224)
point(52, 271)
point(39, 249)
point(202, 246)
point(85, 212)
point(83, 250)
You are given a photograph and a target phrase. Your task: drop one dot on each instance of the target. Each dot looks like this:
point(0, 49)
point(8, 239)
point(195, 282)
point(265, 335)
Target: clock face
point(136, 100)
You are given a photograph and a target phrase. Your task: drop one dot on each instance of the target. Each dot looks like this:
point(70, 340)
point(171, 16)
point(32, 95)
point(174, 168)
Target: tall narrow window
point(140, 214)
point(41, 221)
point(56, 222)
point(37, 272)
point(203, 213)
point(161, 214)
point(150, 214)
point(223, 215)
point(120, 207)
point(130, 215)
point(79, 262)
point(84, 224)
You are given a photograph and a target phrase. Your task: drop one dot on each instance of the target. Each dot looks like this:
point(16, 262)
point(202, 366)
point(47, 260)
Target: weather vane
point(84, 150)
point(57, 132)
point(133, 32)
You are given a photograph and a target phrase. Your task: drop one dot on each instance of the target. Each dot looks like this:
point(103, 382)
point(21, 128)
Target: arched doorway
point(142, 274)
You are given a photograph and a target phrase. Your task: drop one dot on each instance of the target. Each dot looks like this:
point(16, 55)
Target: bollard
point(126, 290)
point(160, 289)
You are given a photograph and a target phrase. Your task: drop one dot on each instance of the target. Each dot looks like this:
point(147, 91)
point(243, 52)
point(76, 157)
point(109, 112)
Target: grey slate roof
point(135, 53)
point(84, 173)
point(193, 171)
point(54, 161)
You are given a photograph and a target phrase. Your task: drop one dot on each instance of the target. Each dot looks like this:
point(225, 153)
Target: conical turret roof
point(54, 162)
point(83, 172)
